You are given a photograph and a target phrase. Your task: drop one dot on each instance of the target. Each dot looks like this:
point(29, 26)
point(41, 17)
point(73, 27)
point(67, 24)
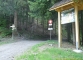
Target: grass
point(7, 41)
point(50, 53)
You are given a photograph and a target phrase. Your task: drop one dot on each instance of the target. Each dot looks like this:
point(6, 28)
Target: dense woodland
point(31, 19)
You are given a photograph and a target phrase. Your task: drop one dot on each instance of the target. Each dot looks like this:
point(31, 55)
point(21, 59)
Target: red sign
point(50, 21)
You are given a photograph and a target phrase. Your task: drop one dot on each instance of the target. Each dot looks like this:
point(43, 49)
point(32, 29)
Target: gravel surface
point(9, 51)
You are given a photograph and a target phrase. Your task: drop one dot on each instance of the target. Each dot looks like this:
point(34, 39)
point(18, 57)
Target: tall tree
point(12, 8)
point(40, 9)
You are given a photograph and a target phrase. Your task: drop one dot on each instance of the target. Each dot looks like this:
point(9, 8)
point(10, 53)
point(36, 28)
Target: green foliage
point(40, 8)
point(7, 9)
point(9, 6)
point(64, 32)
point(49, 53)
point(4, 31)
point(76, 1)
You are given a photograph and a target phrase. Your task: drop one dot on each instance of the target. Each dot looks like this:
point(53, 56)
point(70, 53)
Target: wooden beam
point(73, 31)
point(67, 7)
point(59, 29)
point(77, 27)
point(61, 6)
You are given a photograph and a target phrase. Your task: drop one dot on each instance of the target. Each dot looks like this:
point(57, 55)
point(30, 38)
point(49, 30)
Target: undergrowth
point(50, 53)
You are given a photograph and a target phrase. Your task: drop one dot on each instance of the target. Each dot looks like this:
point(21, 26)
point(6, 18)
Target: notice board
point(68, 16)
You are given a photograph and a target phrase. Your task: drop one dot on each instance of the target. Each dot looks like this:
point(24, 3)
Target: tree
point(39, 9)
point(10, 9)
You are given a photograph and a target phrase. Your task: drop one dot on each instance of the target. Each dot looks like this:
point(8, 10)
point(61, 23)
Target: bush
point(4, 31)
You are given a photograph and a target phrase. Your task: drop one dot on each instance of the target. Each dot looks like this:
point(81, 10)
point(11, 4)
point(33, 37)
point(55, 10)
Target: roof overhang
point(68, 5)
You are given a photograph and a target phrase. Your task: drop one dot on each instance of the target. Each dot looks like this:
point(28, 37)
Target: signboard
point(13, 27)
point(50, 21)
point(50, 28)
point(50, 24)
point(68, 16)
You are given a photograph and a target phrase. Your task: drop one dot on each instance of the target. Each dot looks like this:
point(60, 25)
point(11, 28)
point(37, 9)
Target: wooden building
point(65, 5)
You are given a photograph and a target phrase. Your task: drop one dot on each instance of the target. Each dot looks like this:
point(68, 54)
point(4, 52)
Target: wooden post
point(73, 31)
point(77, 28)
point(59, 29)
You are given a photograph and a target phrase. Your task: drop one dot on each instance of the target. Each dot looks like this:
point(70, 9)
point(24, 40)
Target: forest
point(31, 17)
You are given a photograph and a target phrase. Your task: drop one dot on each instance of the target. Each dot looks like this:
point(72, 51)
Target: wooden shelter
point(65, 5)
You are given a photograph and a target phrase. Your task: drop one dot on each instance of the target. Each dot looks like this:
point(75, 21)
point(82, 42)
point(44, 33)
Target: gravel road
point(9, 51)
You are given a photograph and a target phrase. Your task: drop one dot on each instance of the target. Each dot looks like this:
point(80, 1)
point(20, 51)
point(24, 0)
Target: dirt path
point(9, 51)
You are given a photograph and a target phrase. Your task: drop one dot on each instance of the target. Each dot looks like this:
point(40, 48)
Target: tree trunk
point(15, 19)
point(37, 22)
point(28, 9)
point(15, 33)
point(11, 20)
point(55, 27)
point(46, 24)
point(43, 26)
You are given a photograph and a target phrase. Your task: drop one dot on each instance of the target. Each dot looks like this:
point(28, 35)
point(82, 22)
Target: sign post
point(50, 34)
point(50, 27)
point(13, 28)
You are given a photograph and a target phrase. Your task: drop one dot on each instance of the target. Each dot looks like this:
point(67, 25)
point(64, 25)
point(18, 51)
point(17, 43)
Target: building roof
point(60, 3)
